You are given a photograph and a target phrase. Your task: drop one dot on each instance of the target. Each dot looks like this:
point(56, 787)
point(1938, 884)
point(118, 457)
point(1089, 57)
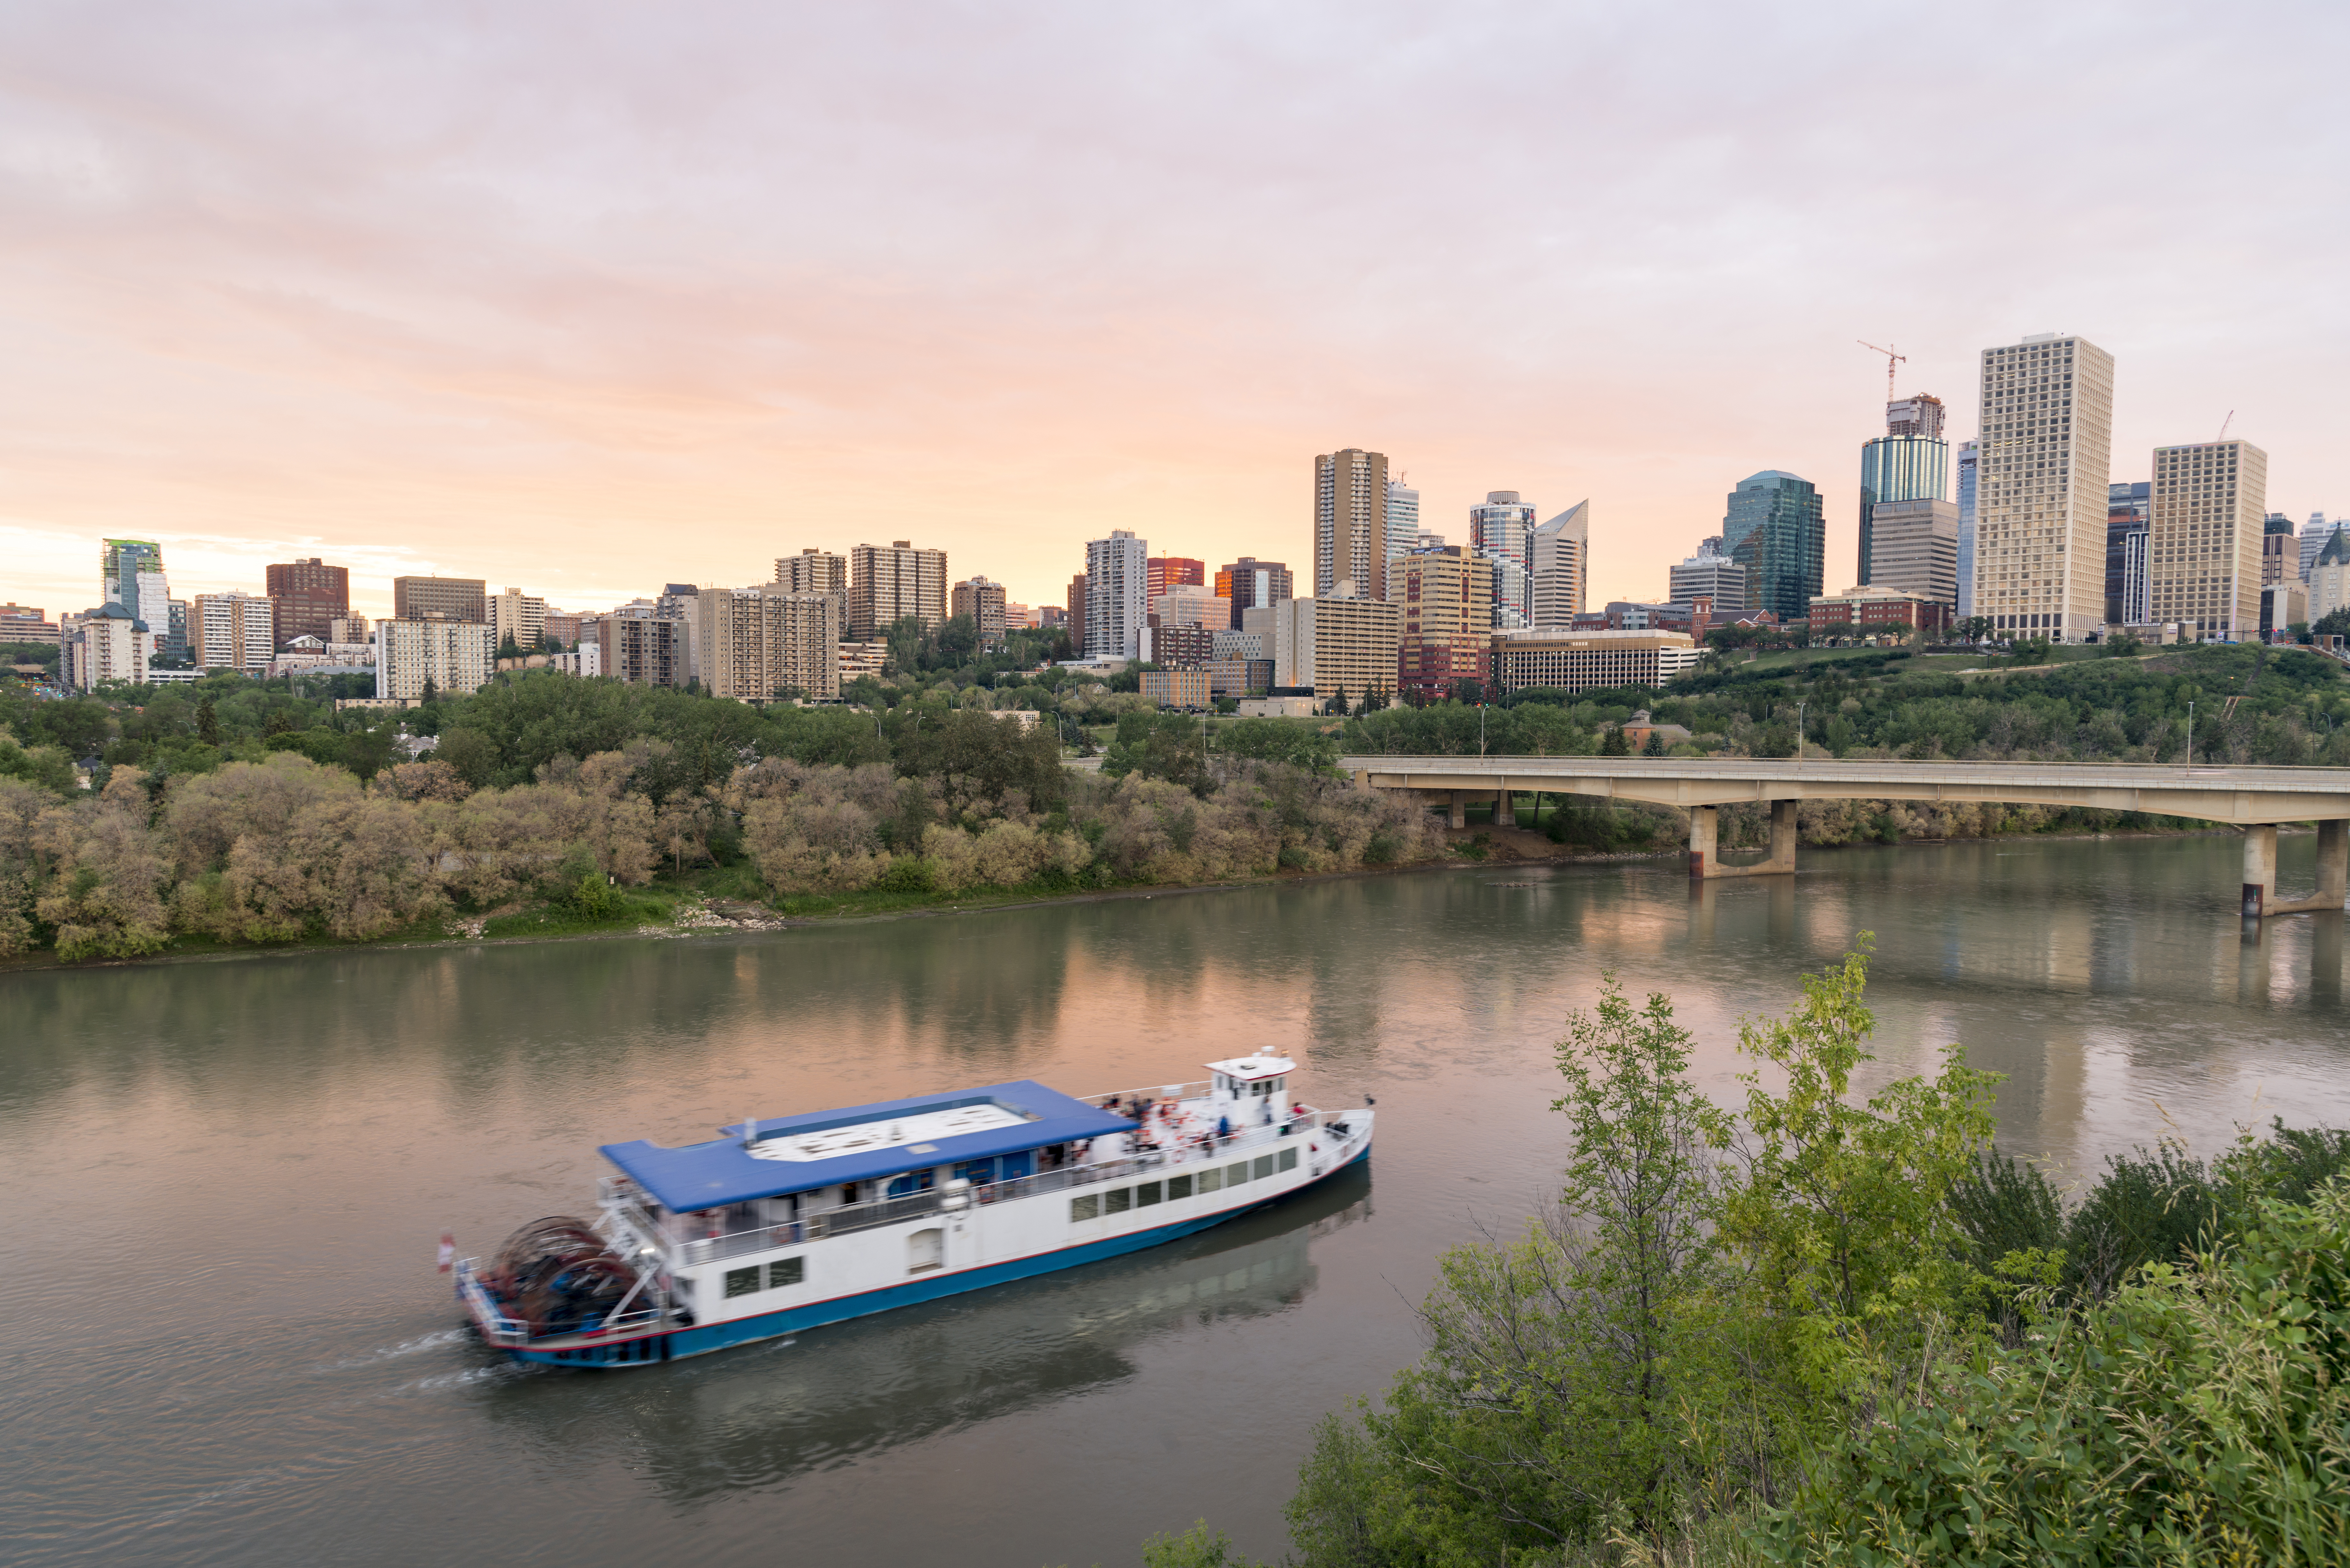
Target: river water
point(224, 1340)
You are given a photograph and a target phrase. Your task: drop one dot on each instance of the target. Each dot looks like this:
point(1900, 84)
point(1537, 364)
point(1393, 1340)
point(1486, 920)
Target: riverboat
point(779, 1226)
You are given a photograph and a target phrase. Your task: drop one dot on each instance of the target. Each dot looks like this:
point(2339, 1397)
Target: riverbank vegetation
point(1836, 1330)
point(553, 804)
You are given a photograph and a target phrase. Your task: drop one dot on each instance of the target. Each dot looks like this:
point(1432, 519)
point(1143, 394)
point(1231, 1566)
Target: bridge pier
point(1705, 840)
point(2259, 871)
point(1460, 815)
point(1505, 809)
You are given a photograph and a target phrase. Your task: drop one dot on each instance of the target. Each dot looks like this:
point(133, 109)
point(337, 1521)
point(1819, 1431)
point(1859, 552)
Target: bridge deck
point(2242, 795)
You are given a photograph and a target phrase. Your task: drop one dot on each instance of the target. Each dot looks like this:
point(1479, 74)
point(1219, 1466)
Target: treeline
point(1830, 1330)
point(2249, 704)
point(789, 803)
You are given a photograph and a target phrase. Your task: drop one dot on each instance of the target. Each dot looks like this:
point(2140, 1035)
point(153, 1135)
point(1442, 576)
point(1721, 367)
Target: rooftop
point(822, 1149)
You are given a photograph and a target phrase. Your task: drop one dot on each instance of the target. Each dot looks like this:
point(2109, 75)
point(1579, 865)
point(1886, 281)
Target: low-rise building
point(1239, 677)
point(1589, 661)
point(23, 623)
point(453, 658)
point(2283, 605)
point(858, 659)
point(1178, 688)
point(1861, 612)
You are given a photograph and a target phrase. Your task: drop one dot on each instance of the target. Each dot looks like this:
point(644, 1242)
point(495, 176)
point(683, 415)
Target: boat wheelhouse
point(780, 1225)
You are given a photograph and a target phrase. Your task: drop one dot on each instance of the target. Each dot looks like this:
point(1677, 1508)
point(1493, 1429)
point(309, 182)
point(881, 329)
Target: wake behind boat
point(780, 1226)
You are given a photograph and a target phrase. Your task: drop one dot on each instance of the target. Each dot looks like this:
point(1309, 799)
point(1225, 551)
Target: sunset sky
point(588, 298)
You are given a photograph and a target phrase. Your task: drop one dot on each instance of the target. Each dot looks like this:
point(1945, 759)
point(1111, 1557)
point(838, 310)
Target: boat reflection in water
point(760, 1415)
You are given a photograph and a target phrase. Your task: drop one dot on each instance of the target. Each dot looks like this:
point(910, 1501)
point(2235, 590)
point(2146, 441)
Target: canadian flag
point(448, 1251)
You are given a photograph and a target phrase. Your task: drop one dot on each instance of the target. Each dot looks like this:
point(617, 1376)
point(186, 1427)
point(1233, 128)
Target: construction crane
point(2224, 425)
point(1891, 359)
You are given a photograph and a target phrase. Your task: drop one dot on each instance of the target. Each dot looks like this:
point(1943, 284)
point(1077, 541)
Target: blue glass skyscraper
point(1969, 453)
point(1777, 529)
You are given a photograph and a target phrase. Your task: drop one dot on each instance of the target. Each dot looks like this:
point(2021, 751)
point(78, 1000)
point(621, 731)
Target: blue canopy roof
point(709, 1175)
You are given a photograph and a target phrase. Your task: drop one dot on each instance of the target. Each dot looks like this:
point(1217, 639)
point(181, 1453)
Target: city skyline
point(264, 322)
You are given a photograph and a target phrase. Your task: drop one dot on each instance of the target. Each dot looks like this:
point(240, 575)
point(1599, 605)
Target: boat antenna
point(750, 1132)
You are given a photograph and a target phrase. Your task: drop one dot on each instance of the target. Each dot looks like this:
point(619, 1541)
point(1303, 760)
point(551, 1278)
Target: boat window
point(742, 1281)
point(913, 1181)
point(1177, 1187)
point(1085, 1208)
point(1289, 1159)
point(1235, 1175)
point(786, 1272)
point(1263, 1166)
point(1211, 1180)
point(1118, 1202)
point(978, 1172)
point(1146, 1194)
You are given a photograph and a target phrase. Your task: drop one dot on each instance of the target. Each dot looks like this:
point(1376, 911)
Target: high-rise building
point(2135, 605)
point(1969, 453)
point(232, 631)
point(2329, 576)
point(306, 595)
point(1447, 631)
point(175, 640)
point(814, 571)
point(1118, 573)
point(1167, 572)
point(2313, 535)
point(1776, 529)
point(1504, 526)
point(1914, 548)
point(1251, 583)
point(1919, 417)
point(120, 562)
point(1403, 518)
point(464, 599)
point(2208, 501)
point(1910, 462)
point(1076, 612)
point(1514, 588)
point(986, 604)
point(453, 657)
point(1558, 559)
point(758, 643)
point(2129, 509)
point(2280, 551)
point(1329, 646)
point(2047, 459)
point(1715, 579)
point(109, 643)
point(1350, 523)
point(520, 616)
point(642, 651)
point(885, 586)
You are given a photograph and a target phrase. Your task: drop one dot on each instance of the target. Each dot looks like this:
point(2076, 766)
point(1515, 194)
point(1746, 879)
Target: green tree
point(208, 728)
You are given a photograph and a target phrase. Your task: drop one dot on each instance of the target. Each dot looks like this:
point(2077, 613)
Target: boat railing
point(1155, 1092)
point(852, 1218)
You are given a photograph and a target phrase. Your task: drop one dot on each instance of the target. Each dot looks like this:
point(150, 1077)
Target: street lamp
point(2190, 733)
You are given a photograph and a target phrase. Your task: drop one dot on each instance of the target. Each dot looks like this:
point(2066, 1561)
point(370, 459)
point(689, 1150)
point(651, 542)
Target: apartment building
point(1447, 629)
point(987, 605)
point(887, 584)
point(453, 658)
point(109, 643)
point(306, 597)
point(2043, 478)
point(517, 615)
point(1116, 603)
point(2210, 502)
point(754, 644)
point(812, 571)
point(1350, 523)
point(232, 631)
point(644, 650)
point(462, 599)
point(1328, 646)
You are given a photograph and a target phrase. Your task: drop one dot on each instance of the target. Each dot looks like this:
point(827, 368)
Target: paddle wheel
point(559, 1276)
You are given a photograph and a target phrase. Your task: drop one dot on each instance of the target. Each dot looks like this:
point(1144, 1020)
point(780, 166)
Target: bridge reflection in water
point(2255, 799)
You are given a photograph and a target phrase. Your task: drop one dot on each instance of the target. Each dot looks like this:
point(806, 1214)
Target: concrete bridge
point(2254, 799)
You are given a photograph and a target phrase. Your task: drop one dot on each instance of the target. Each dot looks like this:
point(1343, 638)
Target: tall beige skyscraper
point(2204, 537)
point(1350, 523)
point(2041, 478)
point(1559, 559)
point(885, 586)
